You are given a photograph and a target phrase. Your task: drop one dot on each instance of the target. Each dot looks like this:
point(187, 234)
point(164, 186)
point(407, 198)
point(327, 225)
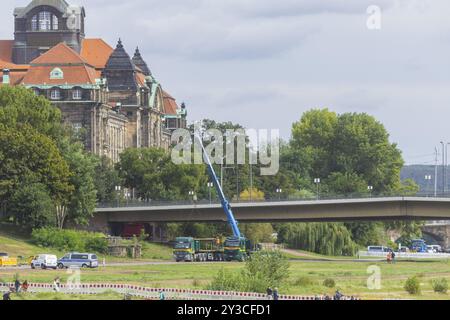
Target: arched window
point(34, 23)
point(45, 20)
point(55, 22)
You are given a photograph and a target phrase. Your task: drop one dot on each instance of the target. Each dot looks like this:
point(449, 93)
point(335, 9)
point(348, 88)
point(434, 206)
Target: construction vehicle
point(6, 261)
point(190, 249)
point(236, 247)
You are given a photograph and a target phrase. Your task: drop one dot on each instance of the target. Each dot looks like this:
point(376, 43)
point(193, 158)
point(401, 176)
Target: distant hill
point(418, 173)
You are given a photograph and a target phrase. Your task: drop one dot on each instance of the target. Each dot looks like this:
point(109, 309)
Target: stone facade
point(112, 100)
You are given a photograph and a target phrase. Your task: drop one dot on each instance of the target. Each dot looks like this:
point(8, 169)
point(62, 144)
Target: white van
point(44, 261)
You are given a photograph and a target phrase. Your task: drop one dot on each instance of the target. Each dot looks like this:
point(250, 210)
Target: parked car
point(434, 248)
point(44, 261)
point(378, 249)
point(81, 260)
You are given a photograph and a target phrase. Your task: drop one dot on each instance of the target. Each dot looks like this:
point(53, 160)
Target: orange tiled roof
point(15, 78)
point(72, 75)
point(60, 53)
point(6, 50)
point(170, 105)
point(96, 52)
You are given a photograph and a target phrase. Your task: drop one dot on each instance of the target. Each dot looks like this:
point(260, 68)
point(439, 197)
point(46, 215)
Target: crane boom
point(223, 200)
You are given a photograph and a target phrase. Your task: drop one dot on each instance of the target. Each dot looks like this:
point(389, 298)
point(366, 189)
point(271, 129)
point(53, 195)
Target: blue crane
point(223, 200)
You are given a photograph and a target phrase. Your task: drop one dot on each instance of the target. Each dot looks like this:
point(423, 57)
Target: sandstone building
point(110, 97)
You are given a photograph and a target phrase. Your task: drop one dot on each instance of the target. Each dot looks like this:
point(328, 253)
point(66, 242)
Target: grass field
point(305, 278)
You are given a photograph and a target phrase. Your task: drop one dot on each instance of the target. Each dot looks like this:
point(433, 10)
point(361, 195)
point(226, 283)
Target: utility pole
point(435, 171)
point(443, 165)
point(251, 182)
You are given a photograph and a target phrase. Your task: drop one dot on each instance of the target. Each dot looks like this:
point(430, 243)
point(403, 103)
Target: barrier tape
point(152, 293)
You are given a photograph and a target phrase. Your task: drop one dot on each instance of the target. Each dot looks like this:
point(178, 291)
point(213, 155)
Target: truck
point(204, 249)
point(235, 247)
point(419, 245)
point(6, 261)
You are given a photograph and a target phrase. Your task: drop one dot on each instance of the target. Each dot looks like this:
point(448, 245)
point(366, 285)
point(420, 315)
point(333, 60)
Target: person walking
point(269, 293)
point(162, 296)
point(275, 294)
point(56, 284)
point(393, 256)
point(17, 285)
point(338, 295)
point(25, 286)
point(7, 295)
point(389, 257)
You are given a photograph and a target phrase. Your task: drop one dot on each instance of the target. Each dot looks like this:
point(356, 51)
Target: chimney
point(6, 79)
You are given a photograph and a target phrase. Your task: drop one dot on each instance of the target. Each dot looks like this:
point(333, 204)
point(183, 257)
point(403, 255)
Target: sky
point(263, 63)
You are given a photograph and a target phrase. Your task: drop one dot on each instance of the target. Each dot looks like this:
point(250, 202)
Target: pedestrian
point(275, 294)
point(393, 256)
point(17, 285)
point(7, 295)
point(389, 257)
point(25, 286)
point(338, 295)
point(269, 293)
point(162, 296)
point(56, 284)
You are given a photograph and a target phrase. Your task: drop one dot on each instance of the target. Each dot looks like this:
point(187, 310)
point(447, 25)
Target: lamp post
point(192, 194)
point(317, 182)
point(279, 191)
point(118, 188)
point(427, 179)
point(210, 185)
point(370, 189)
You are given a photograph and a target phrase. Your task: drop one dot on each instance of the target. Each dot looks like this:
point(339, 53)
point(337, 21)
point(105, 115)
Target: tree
point(252, 194)
point(20, 107)
point(106, 179)
point(81, 202)
point(32, 207)
point(26, 155)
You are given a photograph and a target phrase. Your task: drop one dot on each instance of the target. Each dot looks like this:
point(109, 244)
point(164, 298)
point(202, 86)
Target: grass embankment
point(18, 245)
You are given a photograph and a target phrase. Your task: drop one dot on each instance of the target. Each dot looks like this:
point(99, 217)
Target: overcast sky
point(263, 63)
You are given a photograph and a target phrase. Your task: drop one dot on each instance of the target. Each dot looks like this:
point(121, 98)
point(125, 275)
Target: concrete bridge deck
point(387, 208)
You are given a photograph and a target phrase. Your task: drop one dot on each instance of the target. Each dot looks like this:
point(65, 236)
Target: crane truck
point(234, 248)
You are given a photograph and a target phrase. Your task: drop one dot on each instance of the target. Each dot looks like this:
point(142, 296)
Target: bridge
point(369, 209)
point(112, 217)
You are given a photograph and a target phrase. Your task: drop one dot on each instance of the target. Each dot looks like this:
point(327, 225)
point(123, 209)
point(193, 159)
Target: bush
point(303, 282)
point(70, 240)
point(440, 285)
point(264, 269)
point(329, 283)
point(412, 285)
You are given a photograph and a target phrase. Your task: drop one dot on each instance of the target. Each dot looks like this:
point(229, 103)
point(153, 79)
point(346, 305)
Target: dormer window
point(57, 73)
point(55, 94)
point(77, 94)
point(45, 20)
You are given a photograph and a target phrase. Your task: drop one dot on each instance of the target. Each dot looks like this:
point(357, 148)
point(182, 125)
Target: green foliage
point(264, 269)
point(257, 232)
point(329, 283)
point(81, 202)
point(367, 233)
point(303, 282)
point(323, 238)
point(106, 178)
point(32, 207)
point(70, 240)
point(152, 173)
point(440, 285)
point(412, 285)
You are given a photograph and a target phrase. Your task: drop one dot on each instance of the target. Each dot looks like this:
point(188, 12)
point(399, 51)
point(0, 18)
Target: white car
point(44, 261)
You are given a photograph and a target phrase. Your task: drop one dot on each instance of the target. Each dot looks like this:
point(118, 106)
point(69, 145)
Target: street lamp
point(192, 194)
point(317, 182)
point(370, 188)
point(210, 185)
point(427, 179)
point(279, 191)
point(118, 188)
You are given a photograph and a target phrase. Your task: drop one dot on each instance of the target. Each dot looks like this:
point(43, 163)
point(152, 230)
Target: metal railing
point(155, 203)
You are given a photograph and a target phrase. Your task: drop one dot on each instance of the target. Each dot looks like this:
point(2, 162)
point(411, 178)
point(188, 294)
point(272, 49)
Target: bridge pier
point(439, 232)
